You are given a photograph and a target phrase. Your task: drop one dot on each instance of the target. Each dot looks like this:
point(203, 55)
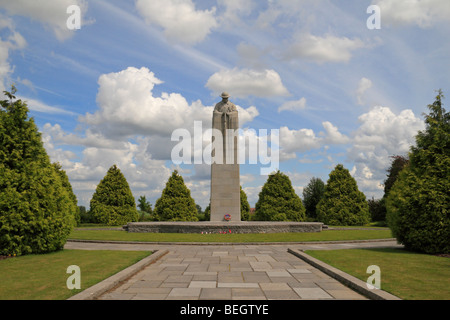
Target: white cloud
point(292, 141)
point(381, 134)
point(179, 19)
point(333, 136)
point(247, 82)
point(382, 129)
point(64, 157)
point(247, 115)
point(323, 49)
point(39, 106)
point(234, 9)
point(364, 85)
point(293, 105)
point(285, 14)
point(10, 40)
point(145, 175)
point(423, 13)
point(52, 14)
point(304, 140)
point(131, 128)
point(127, 107)
point(90, 140)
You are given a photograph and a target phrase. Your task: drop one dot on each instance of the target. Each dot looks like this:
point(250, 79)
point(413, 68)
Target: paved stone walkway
point(229, 272)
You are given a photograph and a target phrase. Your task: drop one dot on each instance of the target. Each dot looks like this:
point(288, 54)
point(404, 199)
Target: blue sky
point(114, 91)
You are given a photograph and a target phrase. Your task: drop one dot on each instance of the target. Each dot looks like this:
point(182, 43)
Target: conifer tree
point(66, 184)
point(418, 204)
point(397, 165)
point(278, 200)
point(343, 203)
point(36, 211)
point(113, 203)
point(312, 194)
point(245, 206)
point(377, 208)
point(145, 209)
point(207, 212)
point(176, 203)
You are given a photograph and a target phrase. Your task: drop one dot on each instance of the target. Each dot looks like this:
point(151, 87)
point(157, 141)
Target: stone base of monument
point(223, 227)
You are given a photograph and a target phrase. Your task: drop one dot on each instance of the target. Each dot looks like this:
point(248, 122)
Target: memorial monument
point(225, 188)
point(225, 182)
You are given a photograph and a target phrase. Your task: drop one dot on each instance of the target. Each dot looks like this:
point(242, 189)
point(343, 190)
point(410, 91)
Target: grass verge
point(408, 275)
point(330, 235)
point(43, 277)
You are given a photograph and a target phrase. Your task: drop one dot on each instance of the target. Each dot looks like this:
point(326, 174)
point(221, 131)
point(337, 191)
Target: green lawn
point(330, 235)
point(408, 275)
point(43, 277)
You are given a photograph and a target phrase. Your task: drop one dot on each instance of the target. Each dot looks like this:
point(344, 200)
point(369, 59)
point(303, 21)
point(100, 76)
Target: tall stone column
point(225, 180)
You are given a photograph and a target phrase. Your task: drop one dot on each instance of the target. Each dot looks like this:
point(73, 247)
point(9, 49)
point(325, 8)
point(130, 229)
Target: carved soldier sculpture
point(225, 117)
point(225, 185)
point(227, 108)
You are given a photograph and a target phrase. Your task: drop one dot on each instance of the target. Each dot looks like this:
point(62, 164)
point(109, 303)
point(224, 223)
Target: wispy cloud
point(364, 85)
point(423, 13)
point(324, 49)
point(39, 106)
point(180, 19)
point(247, 82)
point(52, 14)
point(293, 105)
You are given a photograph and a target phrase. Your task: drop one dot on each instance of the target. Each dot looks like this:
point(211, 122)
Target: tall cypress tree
point(113, 203)
point(377, 208)
point(36, 211)
point(245, 206)
point(278, 200)
point(418, 204)
point(312, 194)
point(176, 203)
point(66, 184)
point(397, 165)
point(342, 202)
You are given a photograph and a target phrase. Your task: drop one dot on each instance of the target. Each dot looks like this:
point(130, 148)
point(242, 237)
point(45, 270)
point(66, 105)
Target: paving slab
point(216, 294)
point(312, 293)
point(185, 292)
point(247, 294)
point(237, 285)
point(260, 266)
point(226, 272)
point(202, 284)
point(278, 273)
